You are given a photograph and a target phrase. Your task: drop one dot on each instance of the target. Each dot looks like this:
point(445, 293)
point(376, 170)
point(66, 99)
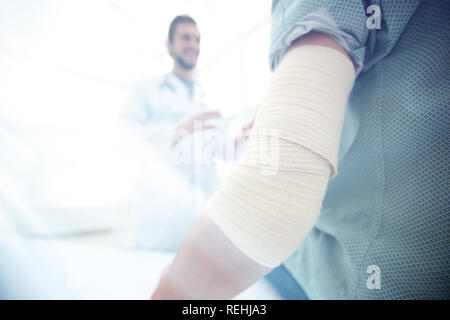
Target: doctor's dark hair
point(176, 21)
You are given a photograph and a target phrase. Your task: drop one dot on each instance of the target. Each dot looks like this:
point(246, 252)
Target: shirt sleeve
point(136, 108)
point(345, 21)
point(139, 114)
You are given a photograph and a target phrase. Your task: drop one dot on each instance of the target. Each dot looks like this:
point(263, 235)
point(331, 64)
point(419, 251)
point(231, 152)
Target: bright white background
point(65, 68)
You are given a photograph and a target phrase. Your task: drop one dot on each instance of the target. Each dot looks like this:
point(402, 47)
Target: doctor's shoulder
point(149, 89)
point(148, 85)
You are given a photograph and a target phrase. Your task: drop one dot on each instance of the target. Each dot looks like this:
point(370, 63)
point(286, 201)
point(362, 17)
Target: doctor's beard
point(184, 64)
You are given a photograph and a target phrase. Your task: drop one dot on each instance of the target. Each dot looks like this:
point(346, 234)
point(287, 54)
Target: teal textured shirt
point(388, 206)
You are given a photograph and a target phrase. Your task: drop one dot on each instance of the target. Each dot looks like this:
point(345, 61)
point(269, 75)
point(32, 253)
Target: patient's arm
point(208, 265)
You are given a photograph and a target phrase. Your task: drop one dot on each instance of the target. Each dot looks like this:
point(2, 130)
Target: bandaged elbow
point(273, 196)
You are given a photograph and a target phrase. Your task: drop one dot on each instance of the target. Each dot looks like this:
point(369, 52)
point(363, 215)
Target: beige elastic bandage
point(272, 198)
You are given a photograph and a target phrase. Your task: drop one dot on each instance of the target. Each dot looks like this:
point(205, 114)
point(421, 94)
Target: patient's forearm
point(265, 216)
point(208, 266)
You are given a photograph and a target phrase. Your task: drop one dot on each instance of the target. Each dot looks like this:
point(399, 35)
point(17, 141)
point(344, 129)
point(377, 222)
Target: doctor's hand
point(245, 132)
point(196, 123)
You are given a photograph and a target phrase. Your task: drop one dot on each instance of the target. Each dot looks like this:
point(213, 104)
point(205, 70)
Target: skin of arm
point(208, 265)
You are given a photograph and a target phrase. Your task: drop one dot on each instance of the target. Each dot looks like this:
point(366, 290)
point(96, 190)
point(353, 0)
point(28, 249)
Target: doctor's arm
point(140, 118)
point(221, 257)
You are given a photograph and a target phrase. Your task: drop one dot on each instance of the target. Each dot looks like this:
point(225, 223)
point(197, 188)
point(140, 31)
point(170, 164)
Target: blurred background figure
point(69, 167)
point(166, 111)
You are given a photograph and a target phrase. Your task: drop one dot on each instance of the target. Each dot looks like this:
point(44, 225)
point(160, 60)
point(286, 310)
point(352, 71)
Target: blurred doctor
point(168, 112)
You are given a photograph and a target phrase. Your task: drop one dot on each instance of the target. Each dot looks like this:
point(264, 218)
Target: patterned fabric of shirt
point(388, 208)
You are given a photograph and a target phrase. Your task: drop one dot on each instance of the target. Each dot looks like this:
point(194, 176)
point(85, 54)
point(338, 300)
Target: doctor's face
point(185, 47)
